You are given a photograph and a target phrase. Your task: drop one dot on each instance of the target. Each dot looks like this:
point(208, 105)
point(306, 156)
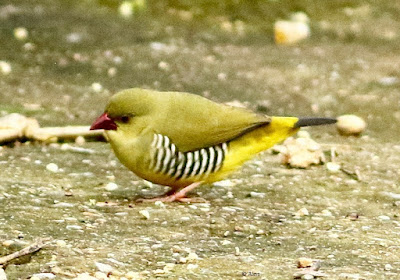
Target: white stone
point(350, 125)
point(145, 214)
point(20, 33)
point(97, 87)
point(52, 167)
point(111, 186)
point(102, 267)
point(5, 67)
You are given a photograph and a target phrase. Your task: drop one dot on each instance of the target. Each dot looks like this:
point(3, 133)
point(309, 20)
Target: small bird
point(182, 140)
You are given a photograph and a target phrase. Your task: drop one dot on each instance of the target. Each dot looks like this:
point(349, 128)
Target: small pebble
point(73, 227)
point(100, 275)
point(307, 277)
point(192, 257)
point(163, 65)
point(192, 266)
point(304, 262)
point(126, 9)
point(80, 140)
point(182, 260)
point(120, 214)
point(112, 72)
point(111, 186)
point(61, 243)
point(159, 204)
point(224, 183)
point(145, 214)
point(52, 167)
point(8, 243)
point(5, 67)
point(257, 194)
point(225, 242)
point(97, 87)
point(326, 213)
point(302, 212)
point(350, 125)
point(388, 267)
point(102, 267)
point(333, 167)
point(384, 218)
point(133, 275)
point(20, 33)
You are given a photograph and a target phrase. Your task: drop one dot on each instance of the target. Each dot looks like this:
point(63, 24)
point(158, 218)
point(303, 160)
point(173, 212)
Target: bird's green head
point(124, 107)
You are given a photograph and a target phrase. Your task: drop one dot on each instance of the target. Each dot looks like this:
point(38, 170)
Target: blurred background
point(61, 60)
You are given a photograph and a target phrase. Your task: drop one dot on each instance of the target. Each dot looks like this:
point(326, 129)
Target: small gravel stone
point(333, 167)
point(64, 205)
point(326, 213)
point(100, 275)
point(97, 87)
point(302, 212)
point(163, 65)
point(307, 277)
point(126, 9)
point(192, 257)
point(159, 204)
point(225, 242)
point(304, 262)
point(384, 218)
point(80, 140)
point(5, 67)
point(102, 267)
point(3, 275)
point(257, 194)
point(111, 186)
point(145, 214)
point(350, 125)
point(21, 33)
point(61, 243)
point(8, 243)
point(192, 266)
point(52, 167)
point(224, 183)
point(73, 227)
point(133, 275)
point(388, 267)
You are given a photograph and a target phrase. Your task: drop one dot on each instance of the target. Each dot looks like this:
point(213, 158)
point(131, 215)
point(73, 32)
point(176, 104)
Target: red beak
point(104, 122)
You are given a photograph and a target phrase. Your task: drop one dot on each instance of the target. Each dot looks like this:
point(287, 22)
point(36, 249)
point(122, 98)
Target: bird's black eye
point(125, 119)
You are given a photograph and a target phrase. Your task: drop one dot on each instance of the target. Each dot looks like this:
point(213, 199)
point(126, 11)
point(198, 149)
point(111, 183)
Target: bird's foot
point(178, 196)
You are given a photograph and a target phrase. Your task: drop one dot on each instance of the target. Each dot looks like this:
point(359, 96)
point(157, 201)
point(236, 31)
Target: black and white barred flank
point(167, 159)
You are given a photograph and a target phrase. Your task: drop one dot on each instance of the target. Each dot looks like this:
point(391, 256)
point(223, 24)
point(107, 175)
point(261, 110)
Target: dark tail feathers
point(310, 121)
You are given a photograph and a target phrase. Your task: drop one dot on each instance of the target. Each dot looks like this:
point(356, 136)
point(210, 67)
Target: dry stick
point(25, 251)
point(45, 133)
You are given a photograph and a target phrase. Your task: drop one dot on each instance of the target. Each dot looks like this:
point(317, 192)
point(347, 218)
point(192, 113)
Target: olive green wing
point(193, 122)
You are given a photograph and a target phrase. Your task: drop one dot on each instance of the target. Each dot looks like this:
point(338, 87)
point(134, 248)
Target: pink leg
point(178, 196)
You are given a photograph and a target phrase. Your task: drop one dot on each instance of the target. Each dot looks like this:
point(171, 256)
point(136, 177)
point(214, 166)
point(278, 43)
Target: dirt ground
point(257, 223)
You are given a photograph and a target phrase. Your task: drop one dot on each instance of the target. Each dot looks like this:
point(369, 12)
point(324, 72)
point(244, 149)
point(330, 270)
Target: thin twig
point(25, 251)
